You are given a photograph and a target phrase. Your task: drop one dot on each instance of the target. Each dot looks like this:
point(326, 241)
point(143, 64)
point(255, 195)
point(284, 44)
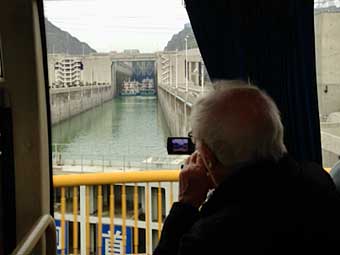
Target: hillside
point(59, 41)
point(178, 40)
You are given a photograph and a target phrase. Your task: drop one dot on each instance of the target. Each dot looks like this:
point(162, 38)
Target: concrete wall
point(327, 38)
point(329, 99)
point(175, 102)
point(52, 59)
point(329, 158)
point(68, 102)
point(330, 148)
point(120, 72)
point(96, 69)
point(176, 112)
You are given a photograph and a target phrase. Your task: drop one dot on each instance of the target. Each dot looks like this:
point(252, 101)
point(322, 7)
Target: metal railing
point(80, 192)
point(91, 157)
point(45, 225)
point(189, 96)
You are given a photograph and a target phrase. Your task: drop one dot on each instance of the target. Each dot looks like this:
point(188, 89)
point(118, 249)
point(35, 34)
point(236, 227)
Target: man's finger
point(187, 161)
point(199, 160)
point(194, 157)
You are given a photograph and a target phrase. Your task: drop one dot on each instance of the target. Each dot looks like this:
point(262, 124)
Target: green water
point(123, 130)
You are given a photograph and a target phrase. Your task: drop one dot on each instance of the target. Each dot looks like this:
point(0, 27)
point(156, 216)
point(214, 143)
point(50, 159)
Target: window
point(118, 113)
point(123, 76)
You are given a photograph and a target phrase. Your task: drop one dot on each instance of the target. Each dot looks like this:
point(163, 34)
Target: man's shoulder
point(298, 207)
point(309, 172)
point(312, 183)
point(288, 193)
point(228, 219)
point(229, 229)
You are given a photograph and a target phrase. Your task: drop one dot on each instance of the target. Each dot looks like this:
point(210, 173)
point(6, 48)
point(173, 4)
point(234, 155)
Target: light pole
point(171, 85)
point(202, 77)
point(186, 63)
point(176, 68)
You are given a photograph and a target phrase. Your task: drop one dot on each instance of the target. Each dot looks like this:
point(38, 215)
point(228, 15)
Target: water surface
point(125, 129)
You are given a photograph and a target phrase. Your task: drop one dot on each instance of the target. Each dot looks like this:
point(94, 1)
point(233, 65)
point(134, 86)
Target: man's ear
point(210, 163)
point(207, 155)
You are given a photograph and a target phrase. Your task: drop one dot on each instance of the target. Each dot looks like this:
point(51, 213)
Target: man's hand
point(194, 183)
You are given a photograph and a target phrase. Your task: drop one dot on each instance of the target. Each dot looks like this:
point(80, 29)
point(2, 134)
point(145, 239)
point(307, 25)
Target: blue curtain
point(270, 43)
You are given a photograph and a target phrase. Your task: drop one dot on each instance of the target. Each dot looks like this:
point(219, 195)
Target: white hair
point(239, 123)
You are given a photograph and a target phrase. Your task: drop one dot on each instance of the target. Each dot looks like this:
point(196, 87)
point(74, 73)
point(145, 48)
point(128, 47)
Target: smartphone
point(180, 146)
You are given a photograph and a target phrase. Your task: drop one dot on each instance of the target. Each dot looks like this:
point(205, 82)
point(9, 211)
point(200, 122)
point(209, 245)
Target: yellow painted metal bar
point(147, 219)
point(135, 211)
point(124, 217)
point(171, 194)
point(62, 220)
point(112, 213)
point(115, 177)
point(159, 210)
point(99, 215)
point(75, 220)
point(87, 220)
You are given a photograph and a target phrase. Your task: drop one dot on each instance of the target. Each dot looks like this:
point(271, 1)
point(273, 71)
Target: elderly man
point(263, 202)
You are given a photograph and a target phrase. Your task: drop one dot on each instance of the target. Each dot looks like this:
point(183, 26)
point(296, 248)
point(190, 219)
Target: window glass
point(327, 38)
point(122, 78)
point(113, 71)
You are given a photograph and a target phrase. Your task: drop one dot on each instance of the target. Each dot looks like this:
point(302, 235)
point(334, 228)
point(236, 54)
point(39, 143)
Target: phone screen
point(180, 146)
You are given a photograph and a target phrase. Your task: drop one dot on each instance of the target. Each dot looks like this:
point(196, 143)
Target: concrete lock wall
point(96, 69)
point(176, 112)
point(327, 37)
point(329, 99)
point(69, 102)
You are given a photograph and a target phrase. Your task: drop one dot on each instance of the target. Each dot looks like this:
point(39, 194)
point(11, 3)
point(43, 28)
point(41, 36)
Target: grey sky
point(326, 3)
point(108, 25)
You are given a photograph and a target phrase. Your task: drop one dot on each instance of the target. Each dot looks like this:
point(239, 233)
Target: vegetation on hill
point(178, 40)
point(59, 41)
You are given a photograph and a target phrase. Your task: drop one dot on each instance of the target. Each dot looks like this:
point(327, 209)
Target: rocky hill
point(59, 41)
point(178, 40)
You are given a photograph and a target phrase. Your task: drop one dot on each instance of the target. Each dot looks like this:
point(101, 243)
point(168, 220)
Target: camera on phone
point(180, 146)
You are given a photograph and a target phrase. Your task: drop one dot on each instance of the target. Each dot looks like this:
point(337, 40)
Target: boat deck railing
point(135, 202)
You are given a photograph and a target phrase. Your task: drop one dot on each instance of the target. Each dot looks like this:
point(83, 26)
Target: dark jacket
point(263, 208)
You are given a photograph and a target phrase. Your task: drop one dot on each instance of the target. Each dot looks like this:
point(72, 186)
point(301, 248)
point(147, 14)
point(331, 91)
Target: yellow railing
point(98, 181)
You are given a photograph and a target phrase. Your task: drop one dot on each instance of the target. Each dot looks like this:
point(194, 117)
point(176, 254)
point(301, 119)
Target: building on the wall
point(64, 71)
point(67, 72)
point(94, 69)
point(131, 51)
point(180, 67)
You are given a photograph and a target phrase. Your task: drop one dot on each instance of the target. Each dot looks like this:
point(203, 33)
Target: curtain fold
point(270, 43)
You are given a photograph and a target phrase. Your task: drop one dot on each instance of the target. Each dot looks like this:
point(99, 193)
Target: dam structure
point(83, 83)
point(182, 78)
point(98, 130)
point(94, 125)
point(77, 84)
